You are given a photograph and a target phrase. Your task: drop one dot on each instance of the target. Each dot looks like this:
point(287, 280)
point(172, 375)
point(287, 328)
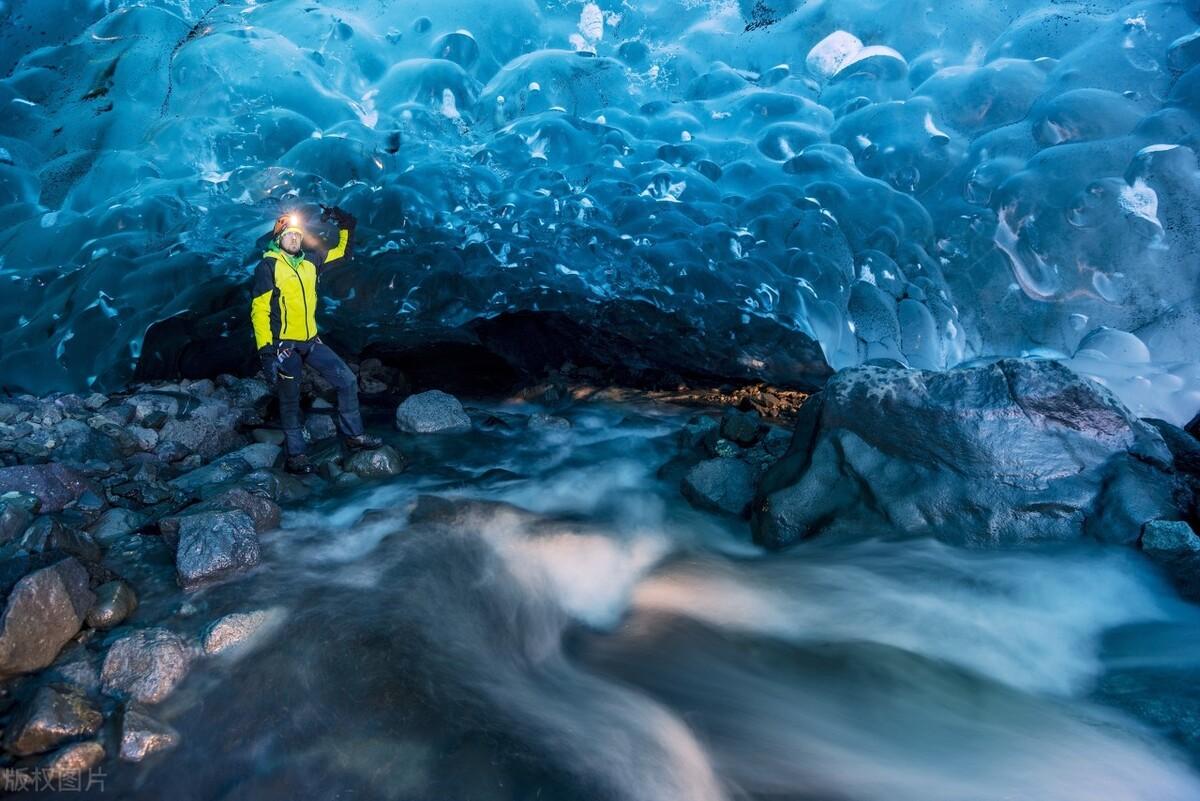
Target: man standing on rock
point(283, 312)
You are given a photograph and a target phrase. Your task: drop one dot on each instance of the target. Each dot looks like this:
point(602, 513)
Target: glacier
point(721, 190)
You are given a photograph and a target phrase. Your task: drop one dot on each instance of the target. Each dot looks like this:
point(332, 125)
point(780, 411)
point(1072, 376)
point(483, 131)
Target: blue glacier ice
point(725, 190)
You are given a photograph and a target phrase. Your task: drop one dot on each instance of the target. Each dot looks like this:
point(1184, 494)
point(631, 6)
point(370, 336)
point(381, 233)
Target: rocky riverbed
point(542, 593)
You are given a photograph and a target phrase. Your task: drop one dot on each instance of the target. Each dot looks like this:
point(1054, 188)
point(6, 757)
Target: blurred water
point(566, 627)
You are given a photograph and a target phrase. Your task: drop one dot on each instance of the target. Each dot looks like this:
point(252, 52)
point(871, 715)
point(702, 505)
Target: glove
point(270, 364)
point(343, 218)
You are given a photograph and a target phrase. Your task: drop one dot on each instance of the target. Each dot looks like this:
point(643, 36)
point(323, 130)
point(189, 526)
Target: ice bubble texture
point(764, 189)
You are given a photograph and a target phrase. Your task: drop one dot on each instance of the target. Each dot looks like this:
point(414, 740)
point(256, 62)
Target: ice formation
point(925, 182)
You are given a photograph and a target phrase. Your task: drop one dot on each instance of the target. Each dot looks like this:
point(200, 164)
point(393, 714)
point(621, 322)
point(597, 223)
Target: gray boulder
point(234, 631)
point(742, 428)
point(209, 430)
point(432, 412)
point(1013, 451)
point(213, 546)
point(54, 715)
point(116, 523)
point(259, 455)
point(720, 485)
point(48, 534)
point(376, 463)
point(44, 611)
point(1174, 545)
point(204, 478)
point(145, 665)
point(142, 735)
point(115, 601)
point(54, 484)
point(262, 510)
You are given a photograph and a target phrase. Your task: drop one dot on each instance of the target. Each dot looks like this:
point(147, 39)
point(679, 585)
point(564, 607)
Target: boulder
point(142, 735)
point(320, 427)
point(145, 665)
point(432, 412)
point(116, 523)
point(236, 630)
point(54, 484)
point(44, 611)
point(376, 463)
point(219, 472)
point(72, 761)
point(209, 430)
point(48, 534)
point(1174, 545)
point(115, 601)
point(213, 546)
point(54, 715)
point(262, 510)
point(1009, 452)
point(720, 485)
point(741, 428)
point(14, 518)
point(259, 455)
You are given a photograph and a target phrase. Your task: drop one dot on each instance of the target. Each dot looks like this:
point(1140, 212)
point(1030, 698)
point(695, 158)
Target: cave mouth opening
point(630, 345)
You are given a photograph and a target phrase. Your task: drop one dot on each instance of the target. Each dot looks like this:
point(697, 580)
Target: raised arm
point(346, 224)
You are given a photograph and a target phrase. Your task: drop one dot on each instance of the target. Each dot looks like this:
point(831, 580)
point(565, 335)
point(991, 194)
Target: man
point(283, 312)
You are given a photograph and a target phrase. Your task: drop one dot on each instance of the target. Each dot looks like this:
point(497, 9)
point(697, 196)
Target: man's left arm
point(346, 225)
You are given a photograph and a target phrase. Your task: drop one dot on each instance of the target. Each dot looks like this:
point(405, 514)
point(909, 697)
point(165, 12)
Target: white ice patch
point(591, 22)
point(829, 54)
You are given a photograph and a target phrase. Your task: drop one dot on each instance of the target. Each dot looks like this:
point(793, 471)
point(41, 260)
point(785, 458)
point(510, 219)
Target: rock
point(14, 518)
point(696, 430)
point(277, 485)
point(1174, 545)
point(376, 463)
point(259, 455)
point(54, 484)
point(146, 438)
point(548, 422)
point(55, 714)
point(264, 512)
point(116, 523)
point(44, 611)
point(94, 401)
point(1017, 450)
point(155, 421)
point(142, 735)
point(115, 601)
point(145, 665)
point(209, 430)
point(146, 403)
point(742, 428)
point(724, 449)
point(47, 534)
point(432, 412)
point(219, 472)
point(271, 436)
point(249, 392)
point(235, 630)
point(72, 762)
point(720, 485)
point(319, 427)
point(214, 545)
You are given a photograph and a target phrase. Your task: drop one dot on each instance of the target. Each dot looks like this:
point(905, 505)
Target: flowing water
point(557, 623)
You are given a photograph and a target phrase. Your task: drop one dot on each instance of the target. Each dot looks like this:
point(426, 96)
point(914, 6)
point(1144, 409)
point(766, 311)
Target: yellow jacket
point(283, 301)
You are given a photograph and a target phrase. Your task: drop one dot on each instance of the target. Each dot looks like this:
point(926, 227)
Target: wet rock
point(742, 428)
point(377, 463)
point(55, 714)
point(146, 438)
point(319, 427)
point(142, 735)
point(72, 761)
point(1018, 450)
point(264, 512)
point(214, 545)
point(116, 523)
point(696, 430)
point(54, 484)
point(145, 665)
point(548, 422)
point(723, 448)
point(720, 485)
point(259, 455)
point(147, 403)
point(14, 518)
point(44, 611)
point(48, 534)
point(115, 601)
point(271, 436)
point(249, 392)
point(209, 430)
point(235, 630)
point(1176, 546)
point(221, 471)
point(277, 485)
point(432, 412)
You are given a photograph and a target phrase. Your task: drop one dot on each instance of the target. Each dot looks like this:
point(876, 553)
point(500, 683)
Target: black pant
point(321, 358)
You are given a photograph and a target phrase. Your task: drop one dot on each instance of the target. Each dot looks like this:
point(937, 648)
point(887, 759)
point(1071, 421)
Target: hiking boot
point(363, 442)
point(298, 464)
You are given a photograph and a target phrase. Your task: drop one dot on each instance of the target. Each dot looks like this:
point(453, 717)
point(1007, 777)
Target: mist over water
point(571, 629)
